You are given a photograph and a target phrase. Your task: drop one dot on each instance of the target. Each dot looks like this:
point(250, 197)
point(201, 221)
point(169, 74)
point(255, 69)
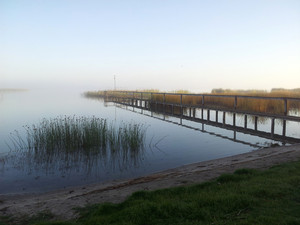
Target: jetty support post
point(151, 100)
point(234, 119)
point(255, 122)
point(181, 108)
point(284, 128)
point(136, 100)
point(164, 102)
point(132, 99)
point(285, 106)
point(235, 102)
point(272, 127)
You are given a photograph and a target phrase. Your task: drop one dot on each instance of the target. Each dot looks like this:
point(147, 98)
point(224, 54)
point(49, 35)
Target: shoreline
point(61, 202)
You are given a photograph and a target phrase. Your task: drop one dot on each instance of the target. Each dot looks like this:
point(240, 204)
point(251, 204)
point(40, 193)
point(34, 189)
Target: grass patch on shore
point(245, 197)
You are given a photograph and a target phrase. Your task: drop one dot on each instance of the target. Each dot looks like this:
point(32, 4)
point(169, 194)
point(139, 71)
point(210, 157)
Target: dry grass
point(245, 104)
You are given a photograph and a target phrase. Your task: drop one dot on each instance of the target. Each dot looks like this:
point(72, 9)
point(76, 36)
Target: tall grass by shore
point(78, 134)
point(70, 143)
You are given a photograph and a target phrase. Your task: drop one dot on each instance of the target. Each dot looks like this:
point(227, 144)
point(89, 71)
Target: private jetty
point(200, 108)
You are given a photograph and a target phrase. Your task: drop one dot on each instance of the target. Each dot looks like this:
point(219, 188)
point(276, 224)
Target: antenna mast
point(114, 82)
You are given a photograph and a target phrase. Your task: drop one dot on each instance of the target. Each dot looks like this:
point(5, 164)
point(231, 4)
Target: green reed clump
point(132, 136)
point(73, 134)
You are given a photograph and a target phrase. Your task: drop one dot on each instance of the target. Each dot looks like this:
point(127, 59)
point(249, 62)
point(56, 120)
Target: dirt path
point(61, 202)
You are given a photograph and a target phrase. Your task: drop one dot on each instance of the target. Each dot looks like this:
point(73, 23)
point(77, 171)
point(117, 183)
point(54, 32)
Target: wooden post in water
point(285, 106)
point(141, 101)
point(245, 121)
point(224, 118)
point(194, 112)
point(284, 128)
point(217, 112)
point(234, 117)
point(190, 112)
point(133, 98)
point(255, 122)
point(202, 114)
point(181, 108)
point(235, 102)
point(151, 100)
point(202, 100)
point(272, 127)
point(164, 102)
point(208, 115)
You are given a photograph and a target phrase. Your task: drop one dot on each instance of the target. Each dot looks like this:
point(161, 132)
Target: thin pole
point(114, 82)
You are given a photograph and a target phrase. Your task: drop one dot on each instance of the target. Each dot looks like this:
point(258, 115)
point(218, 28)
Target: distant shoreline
point(13, 89)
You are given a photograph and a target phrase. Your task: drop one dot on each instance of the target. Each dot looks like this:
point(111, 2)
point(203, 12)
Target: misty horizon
point(169, 45)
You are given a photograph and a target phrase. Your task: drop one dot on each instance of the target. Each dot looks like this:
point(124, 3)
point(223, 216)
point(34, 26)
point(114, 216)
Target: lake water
point(169, 142)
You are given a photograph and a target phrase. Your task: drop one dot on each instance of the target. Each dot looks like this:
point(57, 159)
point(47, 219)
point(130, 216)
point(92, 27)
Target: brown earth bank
point(62, 202)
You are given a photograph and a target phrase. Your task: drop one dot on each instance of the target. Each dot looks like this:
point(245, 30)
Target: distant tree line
point(228, 91)
point(285, 90)
point(222, 91)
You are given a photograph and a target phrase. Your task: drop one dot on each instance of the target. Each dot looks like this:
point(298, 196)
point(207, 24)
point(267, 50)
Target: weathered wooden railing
point(180, 107)
point(149, 97)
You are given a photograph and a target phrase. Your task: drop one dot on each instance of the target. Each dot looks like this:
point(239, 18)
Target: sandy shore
point(62, 202)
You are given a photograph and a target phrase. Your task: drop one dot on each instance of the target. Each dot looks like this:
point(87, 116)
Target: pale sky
point(160, 44)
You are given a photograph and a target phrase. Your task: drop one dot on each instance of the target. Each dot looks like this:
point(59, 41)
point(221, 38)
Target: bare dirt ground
point(62, 202)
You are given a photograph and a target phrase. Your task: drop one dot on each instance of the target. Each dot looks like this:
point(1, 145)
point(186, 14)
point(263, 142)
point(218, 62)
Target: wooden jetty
point(182, 110)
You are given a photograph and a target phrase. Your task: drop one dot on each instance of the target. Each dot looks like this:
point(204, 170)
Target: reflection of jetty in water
point(203, 116)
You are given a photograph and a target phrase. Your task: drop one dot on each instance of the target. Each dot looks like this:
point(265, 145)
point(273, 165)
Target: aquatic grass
point(78, 134)
point(83, 143)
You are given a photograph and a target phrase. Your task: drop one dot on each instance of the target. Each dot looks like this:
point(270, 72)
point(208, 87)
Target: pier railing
point(186, 106)
point(275, 107)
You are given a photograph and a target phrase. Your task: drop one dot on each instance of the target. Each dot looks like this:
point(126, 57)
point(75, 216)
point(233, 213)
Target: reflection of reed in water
point(81, 143)
point(2, 164)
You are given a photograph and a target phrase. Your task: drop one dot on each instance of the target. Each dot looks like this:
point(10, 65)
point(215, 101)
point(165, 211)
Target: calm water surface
point(167, 144)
